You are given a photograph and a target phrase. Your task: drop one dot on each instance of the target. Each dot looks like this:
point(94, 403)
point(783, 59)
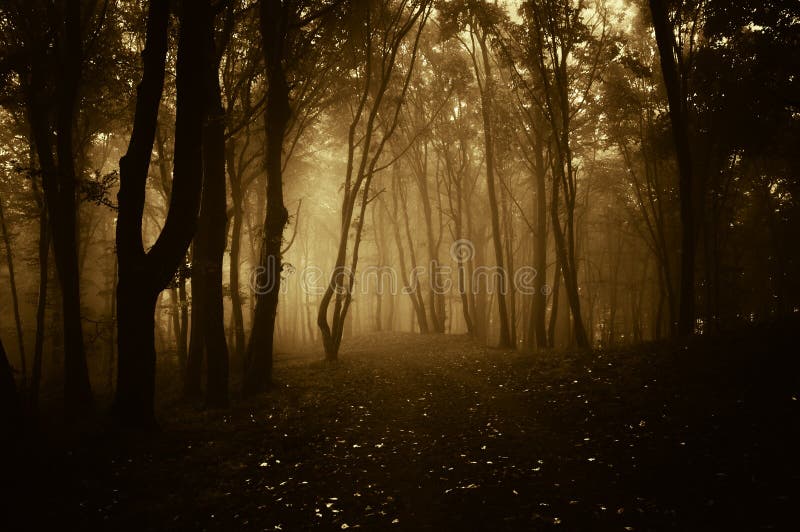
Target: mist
point(534, 256)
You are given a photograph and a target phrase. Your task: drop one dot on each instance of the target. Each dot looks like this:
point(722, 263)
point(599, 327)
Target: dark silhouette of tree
point(275, 20)
point(10, 407)
point(14, 292)
point(208, 328)
point(294, 51)
point(144, 274)
point(677, 96)
point(48, 57)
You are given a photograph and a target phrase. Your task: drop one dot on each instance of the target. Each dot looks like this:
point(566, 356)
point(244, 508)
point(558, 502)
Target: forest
point(399, 264)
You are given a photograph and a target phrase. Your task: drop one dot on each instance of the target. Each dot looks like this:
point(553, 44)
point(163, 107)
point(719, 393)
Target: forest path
point(436, 432)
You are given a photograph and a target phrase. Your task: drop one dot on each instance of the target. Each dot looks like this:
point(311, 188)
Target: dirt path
point(422, 432)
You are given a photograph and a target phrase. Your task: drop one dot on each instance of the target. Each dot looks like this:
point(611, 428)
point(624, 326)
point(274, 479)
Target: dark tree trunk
point(435, 308)
point(556, 289)
point(236, 245)
point(196, 354)
point(258, 375)
point(10, 408)
point(175, 317)
point(136, 369)
point(208, 327)
point(77, 391)
point(58, 182)
point(183, 299)
point(14, 296)
point(214, 212)
point(41, 306)
point(488, 134)
point(678, 114)
point(142, 276)
point(540, 252)
point(412, 282)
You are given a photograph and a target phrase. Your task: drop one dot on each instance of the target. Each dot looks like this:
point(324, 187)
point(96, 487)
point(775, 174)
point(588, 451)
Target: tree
point(14, 298)
point(378, 32)
point(480, 19)
point(677, 96)
point(635, 109)
point(570, 43)
point(208, 328)
point(244, 96)
point(10, 408)
point(521, 51)
point(285, 39)
point(429, 92)
point(144, 274)
point(461, 171)
point(47, 52)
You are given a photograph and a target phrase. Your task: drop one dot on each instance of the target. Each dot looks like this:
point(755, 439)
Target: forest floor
point(411, 432)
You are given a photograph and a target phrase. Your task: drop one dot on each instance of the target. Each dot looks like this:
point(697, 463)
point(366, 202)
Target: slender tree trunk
point(565, 251)
point(509, 262)
point(14, 296)
point(175, 323)
point(273, 26)
point(437, 320)
point(678, 114)
point(408, 287)
point(236, 244)
point(208, 327)
point(41, 306)
point(197, 349)
point(183, 298)
point(413, 285)
point(58, 182)
point(551, 326)
point(360, 172)
point(540, 251)
point(488, 135)
point(10, 406)
point(112, 340)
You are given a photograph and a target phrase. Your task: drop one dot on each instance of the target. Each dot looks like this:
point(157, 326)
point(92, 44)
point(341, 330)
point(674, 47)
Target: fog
point(195, 195)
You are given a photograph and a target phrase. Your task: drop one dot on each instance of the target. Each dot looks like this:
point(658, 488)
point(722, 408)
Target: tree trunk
point(183, 299)
point(678, 114)
point(488, 135)
point(361, 168)
point(112, 340)
point(412, 282)
point(58, 182)
point(236, 245)
point(41, 308)
point(556, 289)
point(273, 26)
point(540, 252)
point(175, 315)
point(208, 327)
point(14, 296)
point(142, 276)
point(10, 408)
point(215, 215)
point(408, 288)
point(437, 320)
